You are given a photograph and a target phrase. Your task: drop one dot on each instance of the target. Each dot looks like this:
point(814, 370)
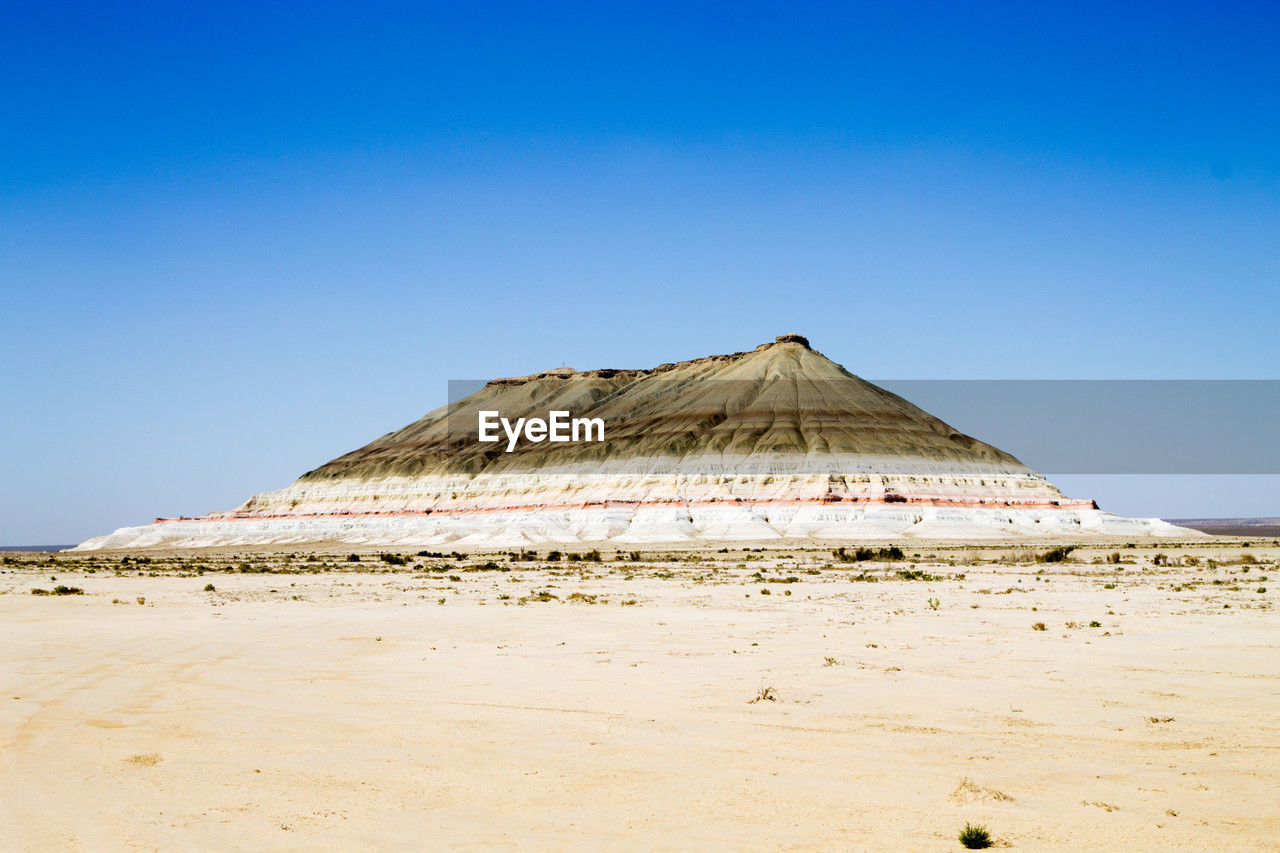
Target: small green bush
point(975, 837)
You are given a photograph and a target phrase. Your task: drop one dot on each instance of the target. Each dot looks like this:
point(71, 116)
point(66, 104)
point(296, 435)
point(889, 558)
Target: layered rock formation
point(775, 443)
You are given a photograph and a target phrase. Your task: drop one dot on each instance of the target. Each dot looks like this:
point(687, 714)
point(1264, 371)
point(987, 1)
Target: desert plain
point(1109, 697)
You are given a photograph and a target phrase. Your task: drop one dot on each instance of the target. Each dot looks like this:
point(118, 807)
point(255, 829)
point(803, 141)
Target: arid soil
point(1121, 698)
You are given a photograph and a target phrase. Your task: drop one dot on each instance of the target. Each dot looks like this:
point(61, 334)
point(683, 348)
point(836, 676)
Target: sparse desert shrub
point(975, 837)
point(60, 589)
point(392, 559)
point(553, 556)
point(1248, 559)
point(1055, 555)
point(353, 558)
point(858, 555)
point(209, 587)
point(1039, 626)
point(764, 694)
point(1113, 557)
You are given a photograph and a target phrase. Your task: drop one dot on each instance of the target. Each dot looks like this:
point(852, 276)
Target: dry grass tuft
point(969, 791)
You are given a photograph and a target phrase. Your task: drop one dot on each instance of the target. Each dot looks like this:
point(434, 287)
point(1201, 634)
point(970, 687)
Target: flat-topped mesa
point(633, 373)
point(775, 442)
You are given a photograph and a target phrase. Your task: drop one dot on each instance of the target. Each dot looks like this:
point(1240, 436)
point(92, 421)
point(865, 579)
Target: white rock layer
point(646, 525)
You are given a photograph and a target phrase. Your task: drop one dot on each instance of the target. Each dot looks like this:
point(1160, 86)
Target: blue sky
point(238, 240)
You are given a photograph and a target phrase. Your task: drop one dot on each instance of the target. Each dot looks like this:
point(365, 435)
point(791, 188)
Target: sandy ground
point(363, 709)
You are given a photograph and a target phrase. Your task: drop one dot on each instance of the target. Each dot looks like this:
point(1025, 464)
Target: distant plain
point(1100, 697)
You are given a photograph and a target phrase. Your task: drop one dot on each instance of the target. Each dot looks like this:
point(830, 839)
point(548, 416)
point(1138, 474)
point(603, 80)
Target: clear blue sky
point(238, 240)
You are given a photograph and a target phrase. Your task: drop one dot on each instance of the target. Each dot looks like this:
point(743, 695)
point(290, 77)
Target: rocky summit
point(776, 443)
